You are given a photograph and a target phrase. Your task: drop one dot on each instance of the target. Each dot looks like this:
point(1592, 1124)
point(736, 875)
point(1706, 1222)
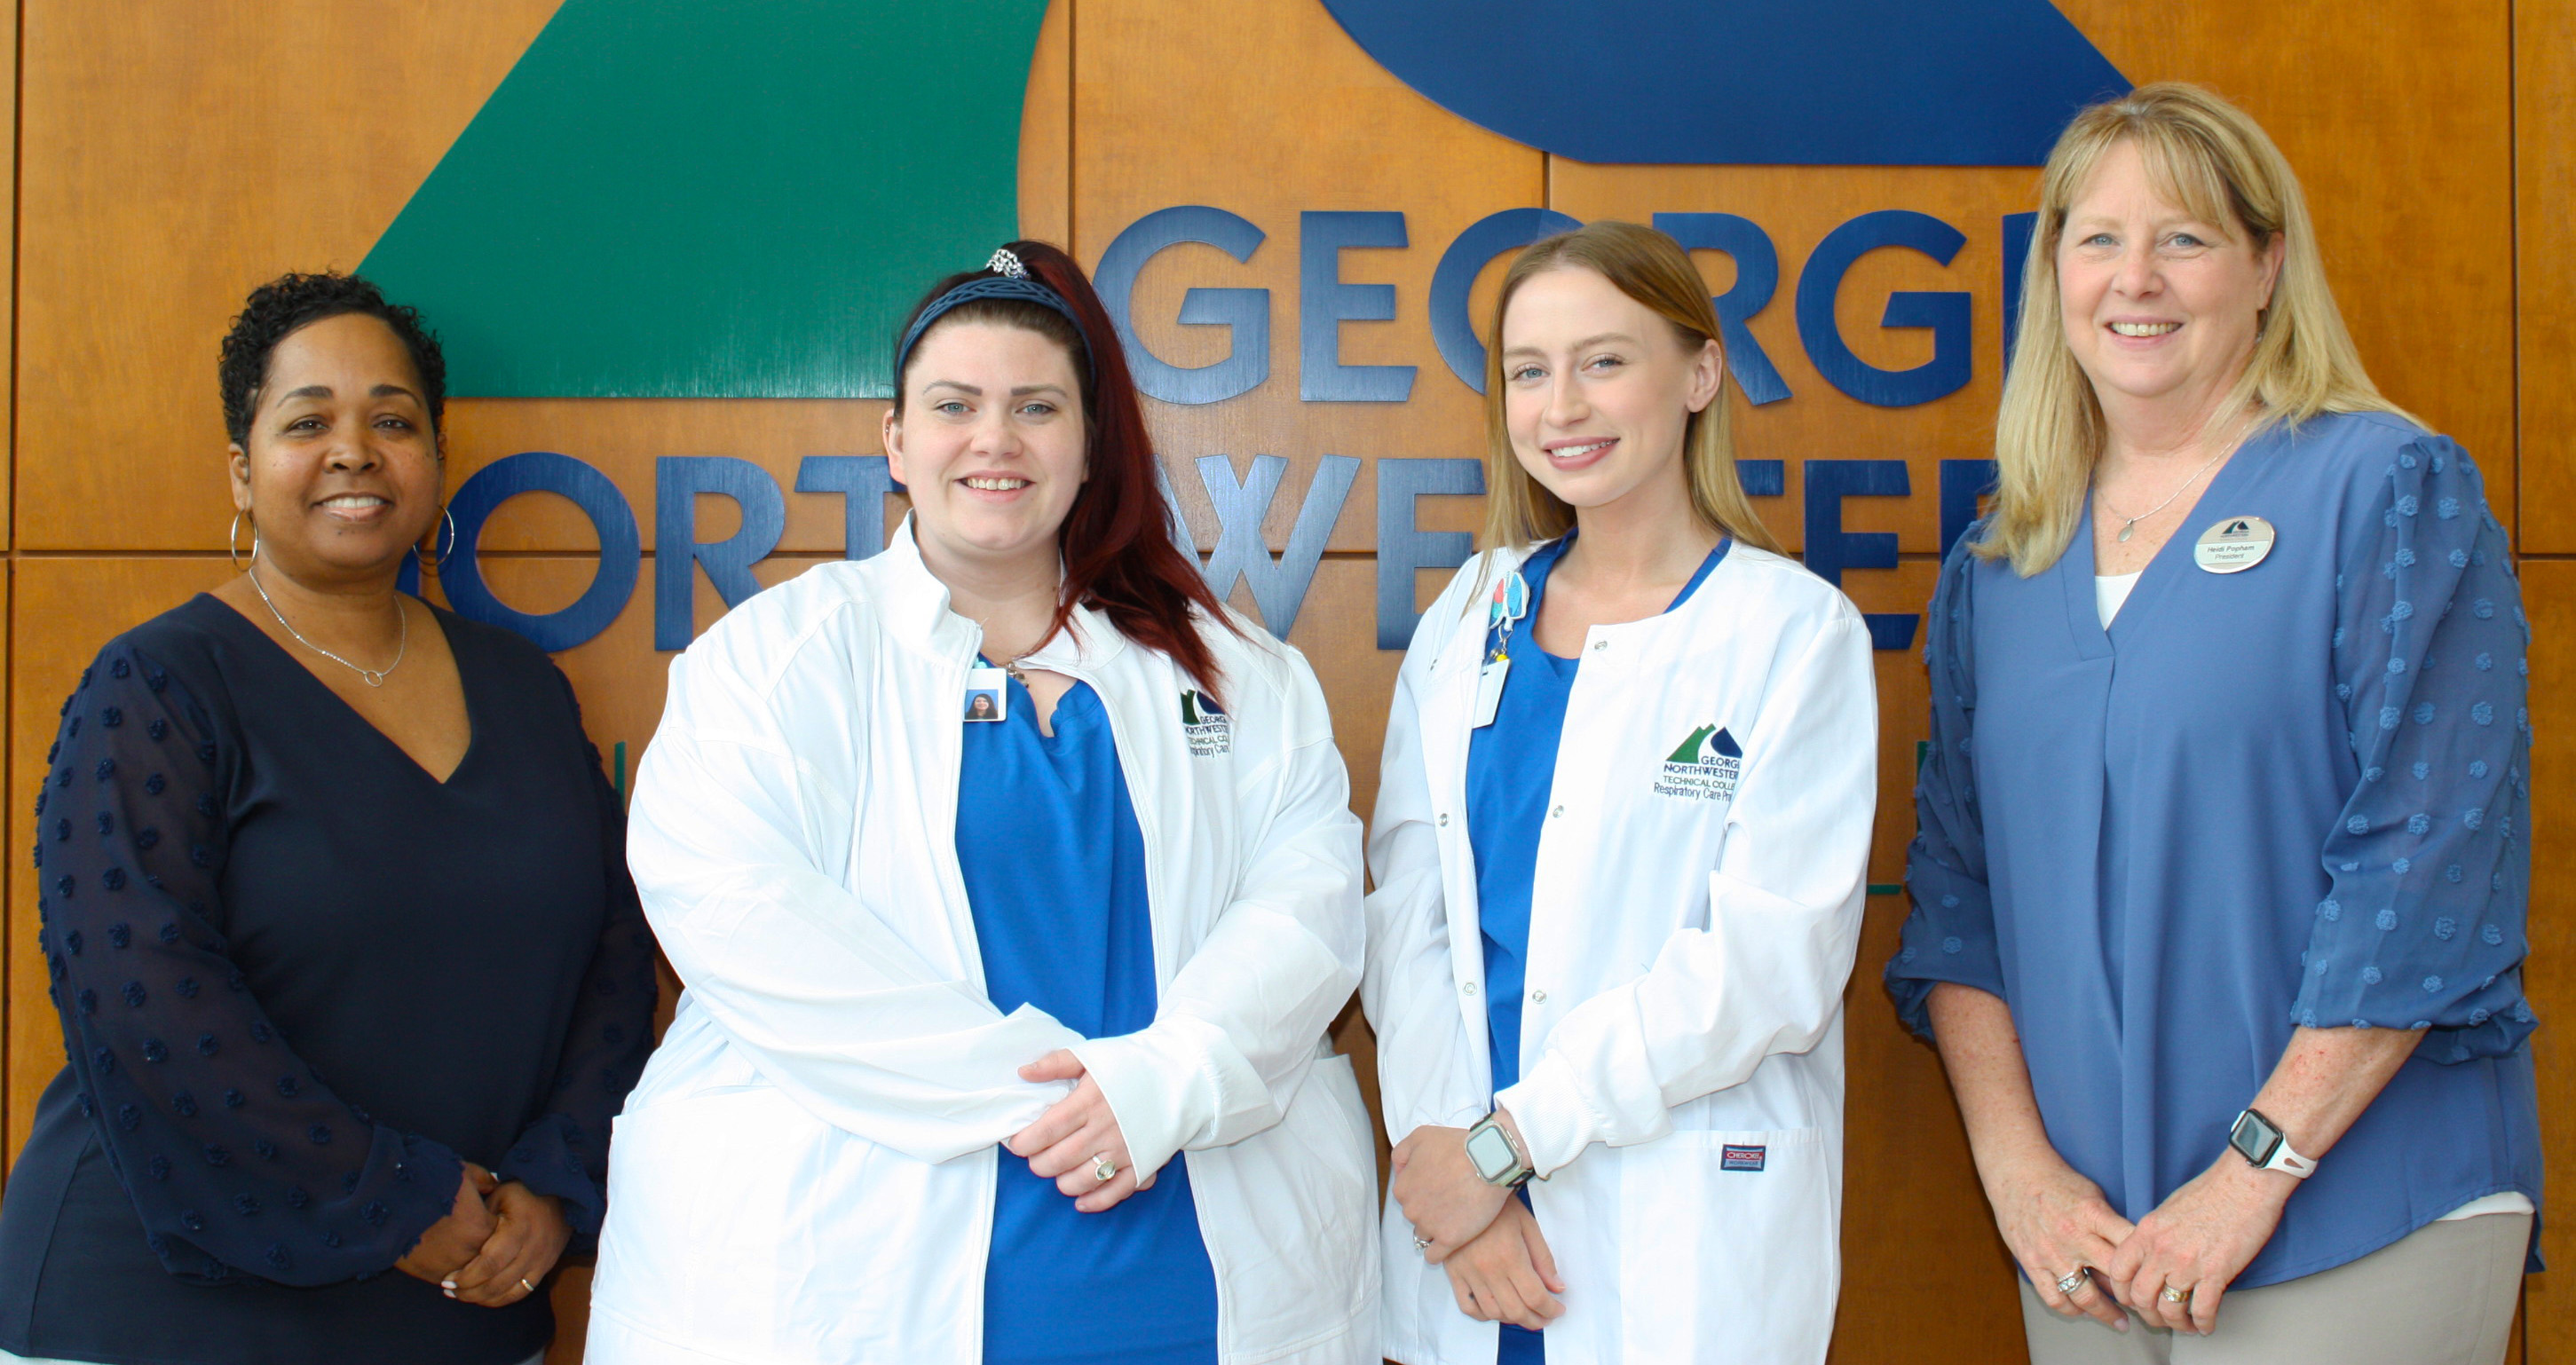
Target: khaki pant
point(2443, 1295)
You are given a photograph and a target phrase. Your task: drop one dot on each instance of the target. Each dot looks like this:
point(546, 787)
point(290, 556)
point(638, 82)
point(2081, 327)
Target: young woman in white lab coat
point(1619, 851)
point(1004, 1039)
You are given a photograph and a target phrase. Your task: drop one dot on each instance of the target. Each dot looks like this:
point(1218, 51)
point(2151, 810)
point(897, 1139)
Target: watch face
point(1492, 1153)
point(2254, 1137)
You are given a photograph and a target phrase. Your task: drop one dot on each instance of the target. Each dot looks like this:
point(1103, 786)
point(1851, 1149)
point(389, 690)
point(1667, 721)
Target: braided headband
point(1011, 281)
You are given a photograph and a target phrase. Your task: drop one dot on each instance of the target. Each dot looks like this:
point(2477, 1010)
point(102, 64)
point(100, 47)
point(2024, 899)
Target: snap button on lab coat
point(1444, 818)
point(1556, 812)
point(1600, 645)
point(1470, 988)
point(1538, 997)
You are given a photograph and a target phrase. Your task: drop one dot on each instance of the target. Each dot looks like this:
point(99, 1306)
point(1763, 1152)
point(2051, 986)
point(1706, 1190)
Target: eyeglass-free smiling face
point(1599, 389)
point(991, 441)
point(342, 471)
point(2160, 306)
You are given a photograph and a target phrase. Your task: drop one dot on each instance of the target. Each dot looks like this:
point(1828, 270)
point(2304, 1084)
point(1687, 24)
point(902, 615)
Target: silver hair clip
point(1007, 265)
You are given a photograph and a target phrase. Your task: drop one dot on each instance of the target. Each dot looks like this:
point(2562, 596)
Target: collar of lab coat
point(915, 605)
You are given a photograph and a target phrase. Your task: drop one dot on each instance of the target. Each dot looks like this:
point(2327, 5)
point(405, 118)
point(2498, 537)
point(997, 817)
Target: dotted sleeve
point(238, 1158)
point(2423, 926)
point(1950, 933)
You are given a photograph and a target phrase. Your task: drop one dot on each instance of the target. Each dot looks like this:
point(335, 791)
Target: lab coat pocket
point(1728, 1246)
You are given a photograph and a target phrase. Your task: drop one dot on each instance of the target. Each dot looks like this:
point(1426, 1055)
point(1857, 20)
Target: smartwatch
point(1497, 1158)
point(2261, 1142)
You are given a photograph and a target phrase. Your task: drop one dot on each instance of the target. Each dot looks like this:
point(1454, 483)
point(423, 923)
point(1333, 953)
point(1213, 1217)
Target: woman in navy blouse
point(2220, 884)
point(335, 908)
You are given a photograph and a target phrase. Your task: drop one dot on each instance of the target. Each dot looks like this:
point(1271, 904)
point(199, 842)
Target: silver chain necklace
point(375, 676)
point(2129, 524)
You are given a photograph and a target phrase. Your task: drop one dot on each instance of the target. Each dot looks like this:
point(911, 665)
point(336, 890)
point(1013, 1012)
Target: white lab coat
point(806, 1171)
point(1688, 949)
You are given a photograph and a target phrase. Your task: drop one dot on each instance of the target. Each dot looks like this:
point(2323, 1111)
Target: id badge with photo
point(988, 694)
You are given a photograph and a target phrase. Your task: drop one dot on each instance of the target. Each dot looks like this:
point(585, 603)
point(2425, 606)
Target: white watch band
point(2290, 1162)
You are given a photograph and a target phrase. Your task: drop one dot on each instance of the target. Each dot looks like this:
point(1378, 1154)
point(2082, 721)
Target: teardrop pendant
point(375, 679)
point(2128, 530)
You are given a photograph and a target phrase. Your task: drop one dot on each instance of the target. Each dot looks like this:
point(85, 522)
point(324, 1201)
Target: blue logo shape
point(1748, 82)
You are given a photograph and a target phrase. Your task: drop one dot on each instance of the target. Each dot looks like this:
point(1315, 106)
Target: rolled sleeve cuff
point(2490, 1019)
point(1556, 1119)
point(1930, 956)
point(551, 1159)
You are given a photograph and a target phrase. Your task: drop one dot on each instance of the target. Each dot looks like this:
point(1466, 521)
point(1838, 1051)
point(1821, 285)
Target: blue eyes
point(1530, 372)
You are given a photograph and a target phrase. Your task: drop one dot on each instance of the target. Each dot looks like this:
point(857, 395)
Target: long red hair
point(1122, 556)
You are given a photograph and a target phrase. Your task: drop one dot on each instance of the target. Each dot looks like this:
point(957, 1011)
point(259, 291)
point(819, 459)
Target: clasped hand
point(496, 1242)
point(1069, 1140)
point(1500, 1268)
point(2195, 1243)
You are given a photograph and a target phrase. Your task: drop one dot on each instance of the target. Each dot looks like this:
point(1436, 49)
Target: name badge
point(2233, 545)
point(988, 694)
point(1489, 690)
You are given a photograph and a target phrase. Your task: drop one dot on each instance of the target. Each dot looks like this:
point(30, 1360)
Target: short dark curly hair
point(276, 309)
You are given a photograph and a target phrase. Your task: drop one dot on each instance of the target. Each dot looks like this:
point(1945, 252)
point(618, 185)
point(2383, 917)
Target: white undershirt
point(2110, 590)
point(2511, 1201)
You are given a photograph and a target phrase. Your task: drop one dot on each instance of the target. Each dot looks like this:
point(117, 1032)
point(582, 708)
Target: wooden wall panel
point(175, 156)
point(1274, 110)
point(2544, 73)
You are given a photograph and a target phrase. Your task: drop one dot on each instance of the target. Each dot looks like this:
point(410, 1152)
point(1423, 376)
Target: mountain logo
point(1705, 766)
point(1208, 728)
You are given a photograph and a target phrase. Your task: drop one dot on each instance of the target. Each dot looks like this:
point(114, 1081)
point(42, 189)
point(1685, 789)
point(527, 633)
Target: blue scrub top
point(1054, 864)
point(1511, 769)
point(2293, 795)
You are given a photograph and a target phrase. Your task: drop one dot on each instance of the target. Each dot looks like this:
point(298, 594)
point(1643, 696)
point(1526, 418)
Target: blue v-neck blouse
point(301, 981)
point(2297, 795)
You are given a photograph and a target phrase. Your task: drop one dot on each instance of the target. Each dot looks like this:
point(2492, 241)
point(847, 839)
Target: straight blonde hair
point(2208, 156)
point(1653, 269)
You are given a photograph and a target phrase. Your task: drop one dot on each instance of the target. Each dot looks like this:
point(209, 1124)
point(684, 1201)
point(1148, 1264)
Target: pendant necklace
point(375, 676)
point(2129, 524)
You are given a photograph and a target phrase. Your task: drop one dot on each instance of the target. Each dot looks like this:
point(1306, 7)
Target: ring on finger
point(1103, 1169)
point(2173, 1295)
point(523, 1284)
point(2074, 1280)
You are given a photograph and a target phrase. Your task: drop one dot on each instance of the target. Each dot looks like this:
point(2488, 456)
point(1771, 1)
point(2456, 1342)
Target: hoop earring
point(232, 542)
point(434, 564)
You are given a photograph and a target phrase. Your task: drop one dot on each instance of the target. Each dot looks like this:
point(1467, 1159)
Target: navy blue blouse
point(300, 981)
point(2296, 795)
point(1054, 864)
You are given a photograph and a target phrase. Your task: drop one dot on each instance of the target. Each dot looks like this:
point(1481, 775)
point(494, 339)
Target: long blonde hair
point(2208, 156)
point(1653, 269)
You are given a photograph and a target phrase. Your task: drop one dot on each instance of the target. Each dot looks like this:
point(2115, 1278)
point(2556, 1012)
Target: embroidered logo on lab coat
point(1208, 728)
point(1734, 1157)
point(1704, 768)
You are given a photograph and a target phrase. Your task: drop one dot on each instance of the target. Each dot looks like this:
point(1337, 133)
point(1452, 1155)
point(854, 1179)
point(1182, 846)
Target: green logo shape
point(1689, 751)
point(716, 198)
